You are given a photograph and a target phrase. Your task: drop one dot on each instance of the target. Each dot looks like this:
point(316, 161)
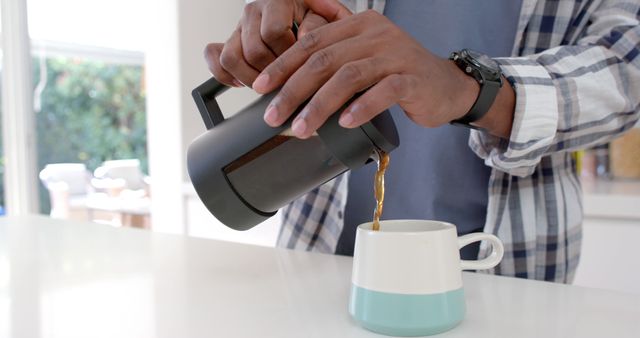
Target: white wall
point(609, 257)
point(178, 32)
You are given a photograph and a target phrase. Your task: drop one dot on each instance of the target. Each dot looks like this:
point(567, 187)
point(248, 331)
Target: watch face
point(483, 61)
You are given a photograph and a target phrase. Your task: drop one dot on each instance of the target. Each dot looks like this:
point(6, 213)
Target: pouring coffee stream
point(378, 188)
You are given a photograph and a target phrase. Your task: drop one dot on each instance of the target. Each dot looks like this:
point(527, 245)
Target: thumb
point(331, 10)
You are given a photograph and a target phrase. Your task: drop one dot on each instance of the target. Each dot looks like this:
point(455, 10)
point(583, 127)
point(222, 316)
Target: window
point(89, 91)
point(88, 111)
point(115, 24)
point(89, 101)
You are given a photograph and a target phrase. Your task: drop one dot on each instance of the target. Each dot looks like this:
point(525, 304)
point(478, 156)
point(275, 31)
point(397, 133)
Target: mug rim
point(407, 226)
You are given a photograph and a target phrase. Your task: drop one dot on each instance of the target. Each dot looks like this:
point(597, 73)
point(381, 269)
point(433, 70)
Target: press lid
point(354, 147)
point(382, 132)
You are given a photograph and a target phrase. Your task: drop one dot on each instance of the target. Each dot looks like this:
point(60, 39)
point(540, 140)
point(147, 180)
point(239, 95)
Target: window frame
point(18, 120)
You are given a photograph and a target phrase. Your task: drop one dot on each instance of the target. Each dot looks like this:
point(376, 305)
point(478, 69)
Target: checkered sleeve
point(572, 96)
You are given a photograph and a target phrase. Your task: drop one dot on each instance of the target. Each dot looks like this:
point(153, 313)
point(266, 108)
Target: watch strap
point(490, 81)
point(487, 95)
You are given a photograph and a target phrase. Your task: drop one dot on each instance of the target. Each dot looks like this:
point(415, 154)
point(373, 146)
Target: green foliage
point(90, 112)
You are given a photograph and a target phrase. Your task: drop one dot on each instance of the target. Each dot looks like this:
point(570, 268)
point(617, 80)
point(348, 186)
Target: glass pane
point(87, 112)
point(90, 107)
point(114, 23)
point(258, 173)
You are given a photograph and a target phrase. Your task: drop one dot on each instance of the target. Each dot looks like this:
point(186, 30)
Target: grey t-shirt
point(434, 174)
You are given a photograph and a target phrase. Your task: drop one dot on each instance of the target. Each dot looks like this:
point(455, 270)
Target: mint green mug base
point(404, 315)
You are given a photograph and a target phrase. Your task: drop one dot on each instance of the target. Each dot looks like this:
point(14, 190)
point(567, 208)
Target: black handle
point(205, 97)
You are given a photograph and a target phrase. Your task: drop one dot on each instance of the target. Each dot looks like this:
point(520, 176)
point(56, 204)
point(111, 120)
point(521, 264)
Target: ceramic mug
point(407, 278)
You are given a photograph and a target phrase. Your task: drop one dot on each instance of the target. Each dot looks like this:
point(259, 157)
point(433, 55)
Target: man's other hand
point(264, 33)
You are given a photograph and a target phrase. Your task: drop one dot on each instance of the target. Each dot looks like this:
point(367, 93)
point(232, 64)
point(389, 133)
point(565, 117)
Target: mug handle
point(492, 260)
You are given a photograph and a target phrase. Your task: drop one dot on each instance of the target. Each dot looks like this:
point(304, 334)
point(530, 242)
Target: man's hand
point(263, 33)
point(363, 52)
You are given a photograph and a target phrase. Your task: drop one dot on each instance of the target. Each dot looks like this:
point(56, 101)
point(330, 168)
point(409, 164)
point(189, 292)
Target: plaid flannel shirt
point(575, 69)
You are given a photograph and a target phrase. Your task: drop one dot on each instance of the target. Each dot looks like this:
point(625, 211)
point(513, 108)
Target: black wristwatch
point(488, 74)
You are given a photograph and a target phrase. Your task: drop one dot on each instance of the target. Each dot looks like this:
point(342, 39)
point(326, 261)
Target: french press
point(243, 170)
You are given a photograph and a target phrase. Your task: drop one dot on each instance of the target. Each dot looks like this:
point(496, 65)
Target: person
point(531, 81)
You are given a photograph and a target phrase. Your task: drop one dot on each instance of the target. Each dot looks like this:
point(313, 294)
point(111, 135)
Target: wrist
point(466, 90)
point(499, 119)
point(496, 116)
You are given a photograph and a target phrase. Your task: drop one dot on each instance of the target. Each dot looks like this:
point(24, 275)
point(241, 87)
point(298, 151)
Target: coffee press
point(243, 170)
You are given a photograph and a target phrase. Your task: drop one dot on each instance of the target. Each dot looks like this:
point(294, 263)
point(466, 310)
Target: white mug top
point(414, 257)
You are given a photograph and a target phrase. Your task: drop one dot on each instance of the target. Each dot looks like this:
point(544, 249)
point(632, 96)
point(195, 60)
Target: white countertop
point(60, 279)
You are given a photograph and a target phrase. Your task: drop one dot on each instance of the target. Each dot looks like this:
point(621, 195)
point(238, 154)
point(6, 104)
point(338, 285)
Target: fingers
point(389, 91)
point(332, 10)
point(255, 51)
point(350, 79)
point(286, 64)
point(310, 22)
point(275, 28)
point(265, 32)
point(212, 56)
point(319, 68)
point(232, 60)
